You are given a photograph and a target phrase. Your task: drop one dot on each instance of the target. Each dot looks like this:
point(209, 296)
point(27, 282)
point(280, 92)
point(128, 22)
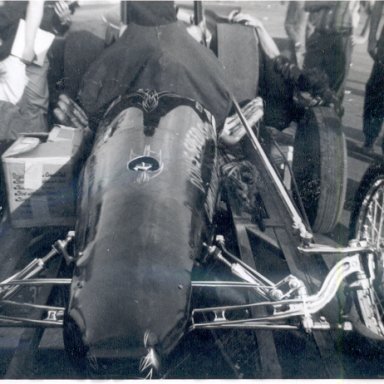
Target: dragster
point(149, 260)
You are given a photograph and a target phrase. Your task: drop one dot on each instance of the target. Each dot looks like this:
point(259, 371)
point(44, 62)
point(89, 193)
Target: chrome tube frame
point(28, 277)
point(295, 303)
point(12, 285)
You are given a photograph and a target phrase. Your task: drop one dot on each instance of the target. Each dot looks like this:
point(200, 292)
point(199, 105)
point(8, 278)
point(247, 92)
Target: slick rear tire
point(320, 167)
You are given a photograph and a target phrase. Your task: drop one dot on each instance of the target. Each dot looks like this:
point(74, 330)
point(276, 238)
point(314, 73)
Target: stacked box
point(38, 172)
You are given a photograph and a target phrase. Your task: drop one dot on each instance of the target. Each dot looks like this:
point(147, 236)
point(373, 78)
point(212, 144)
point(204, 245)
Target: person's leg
point(36, 92)
point(55, 75)
point(337, 61)
point(373, 105)
point(34, 102)
point(29, 114)
point(300, 55)
point(371, 130)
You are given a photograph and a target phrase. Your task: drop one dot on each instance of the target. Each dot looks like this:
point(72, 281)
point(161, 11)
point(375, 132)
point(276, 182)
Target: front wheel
point(367, 224)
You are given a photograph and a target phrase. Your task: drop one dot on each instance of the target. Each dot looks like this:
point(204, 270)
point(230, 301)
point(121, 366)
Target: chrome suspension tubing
point(303, 305)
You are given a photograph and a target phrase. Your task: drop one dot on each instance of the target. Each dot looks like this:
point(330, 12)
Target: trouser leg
point(339, 63)
point(373, 104)
point(371, 130)
point(35, 100)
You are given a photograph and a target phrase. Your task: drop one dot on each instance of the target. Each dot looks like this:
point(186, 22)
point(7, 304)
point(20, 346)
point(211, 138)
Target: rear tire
point(320, 167)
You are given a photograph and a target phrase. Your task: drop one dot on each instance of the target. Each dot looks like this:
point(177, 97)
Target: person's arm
point(290, 23)
point(267, 43)
point(358, 38)
point(375, 21)
point(33, 19)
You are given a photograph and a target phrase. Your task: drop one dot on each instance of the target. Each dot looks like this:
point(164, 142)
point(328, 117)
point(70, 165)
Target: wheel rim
point(371, 217)
point(370, 228)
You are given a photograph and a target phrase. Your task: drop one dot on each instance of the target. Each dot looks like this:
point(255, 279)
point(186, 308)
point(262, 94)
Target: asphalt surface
point(202, 360)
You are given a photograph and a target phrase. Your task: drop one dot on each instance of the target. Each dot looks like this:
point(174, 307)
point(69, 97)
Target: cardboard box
point(38, 171)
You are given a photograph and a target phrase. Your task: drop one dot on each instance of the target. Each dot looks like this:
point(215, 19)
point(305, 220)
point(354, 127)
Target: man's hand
point(63, 12)
point(70, 113)
point(244, 18)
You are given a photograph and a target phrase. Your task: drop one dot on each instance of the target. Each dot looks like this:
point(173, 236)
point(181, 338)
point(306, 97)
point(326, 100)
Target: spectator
point(13, 70)
point(285, 88)
point(295, 26)
point(330, 46)
point(374, 91)
point(24, 95)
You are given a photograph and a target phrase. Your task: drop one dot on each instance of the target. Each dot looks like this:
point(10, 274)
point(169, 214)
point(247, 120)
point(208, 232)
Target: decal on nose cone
point(147, 165)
